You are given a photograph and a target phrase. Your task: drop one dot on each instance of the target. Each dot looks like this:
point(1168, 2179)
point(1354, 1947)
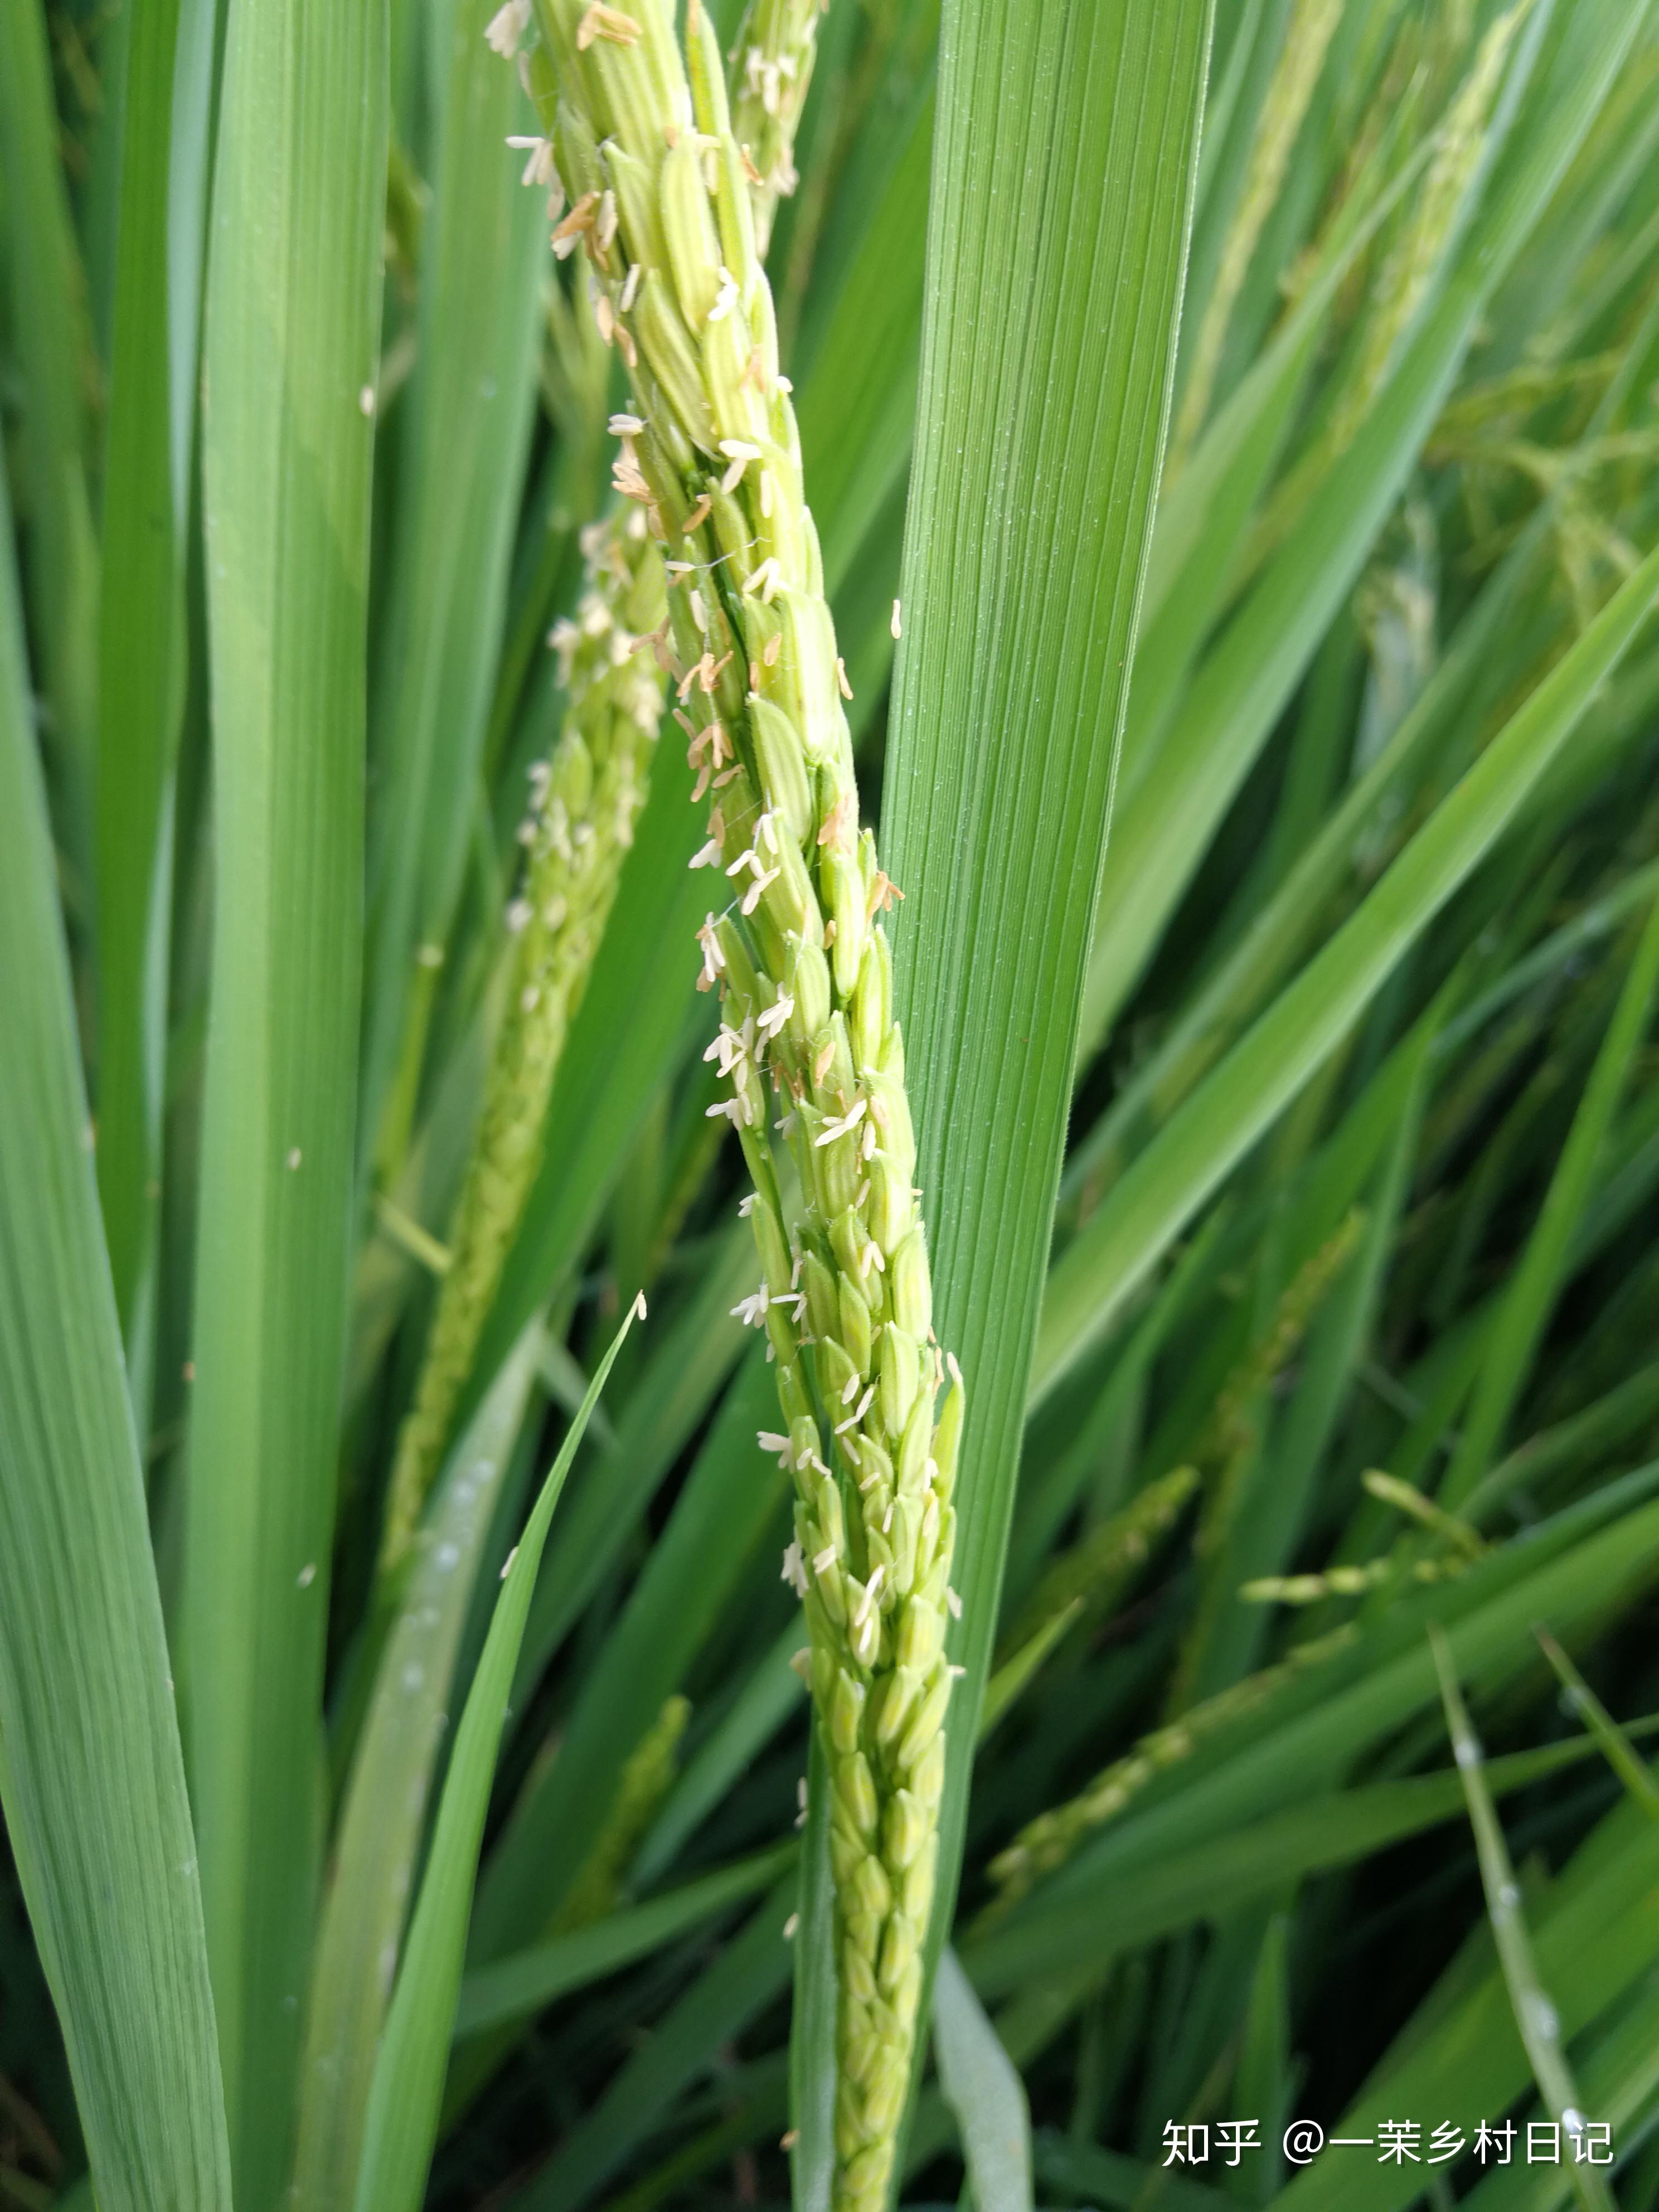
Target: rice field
point(829, 1105)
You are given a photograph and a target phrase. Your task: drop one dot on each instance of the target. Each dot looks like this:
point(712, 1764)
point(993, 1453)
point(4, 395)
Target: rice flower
point(773, 67)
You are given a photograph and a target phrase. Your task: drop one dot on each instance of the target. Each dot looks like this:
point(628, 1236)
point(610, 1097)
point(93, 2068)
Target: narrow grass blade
point(984, 2089)
point(750, 1972)
point(1009, 703)
point(1534, 2015)
point(1171, 816)
point(1242, 1096)
point(1244, 978)
point(1020, 1670)
point(1168, 822)
point(671, 1395)
point(198, 52)
point(409, 2071)
point(1292, 1735)
point(1591, 1941)
point(1205, 1882)
point(498, 1995)
point(1538, 1280)
point(858, 407)
point(463, 449)
point(1270, 1515)
point(293, 320)
point(728, 1500)
point(752, 2109)
point(1614, 1742)
point(50, 330)
point(383, 1819)
point(1205, 514)
point(768, 1697)
point(91, 1774)
point(140, 673)
point(1618, 2073)
point(1621, 1415)
point(1105, 2178)
point(609, 1071)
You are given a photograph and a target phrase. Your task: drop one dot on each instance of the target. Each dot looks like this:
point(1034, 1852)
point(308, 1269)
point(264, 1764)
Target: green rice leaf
point(140, 673)
point(984, 2089)
point(1030, 518)
point(48, 299)
point(496, 1996)
point(679, 1382)
point(91, 1773)
point(1614, 1743)
point(1536, 2016)
point(1594, 1936)
point(749, 1973)
point(729, 1499)
point(292, 339)
point(1309, 1732)
point(1168, 820)
point(770, 1695)
point(465, 433)
point(409, 2070)
point(1241, 1097)
point(1538, 1279)
point(383, 1819)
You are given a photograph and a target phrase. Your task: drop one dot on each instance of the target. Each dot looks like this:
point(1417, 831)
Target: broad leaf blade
point(91, 1776)
point(1064, 148)
point(292, 320)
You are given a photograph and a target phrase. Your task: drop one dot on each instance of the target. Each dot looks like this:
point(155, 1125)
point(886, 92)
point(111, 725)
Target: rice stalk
point(643, 141)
